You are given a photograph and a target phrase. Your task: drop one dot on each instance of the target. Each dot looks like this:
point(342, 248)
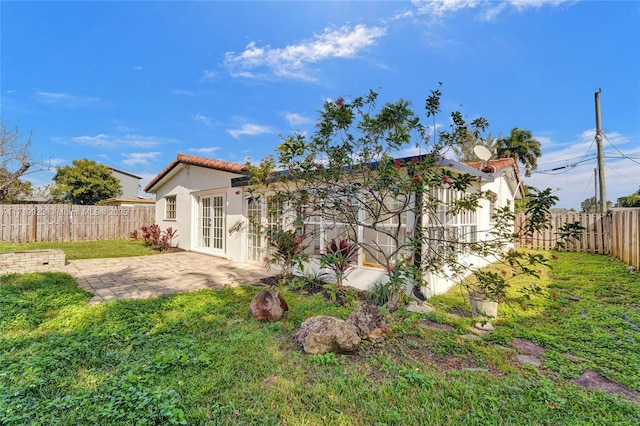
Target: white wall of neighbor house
point(129, 184)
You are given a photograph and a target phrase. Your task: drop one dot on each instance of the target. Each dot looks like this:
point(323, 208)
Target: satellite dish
point(482, 152)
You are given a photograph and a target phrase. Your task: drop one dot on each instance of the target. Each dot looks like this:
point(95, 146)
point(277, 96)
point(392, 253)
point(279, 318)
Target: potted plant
point(487, 288)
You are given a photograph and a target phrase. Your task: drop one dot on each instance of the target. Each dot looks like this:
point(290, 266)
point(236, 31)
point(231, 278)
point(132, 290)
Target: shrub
point(154, 237)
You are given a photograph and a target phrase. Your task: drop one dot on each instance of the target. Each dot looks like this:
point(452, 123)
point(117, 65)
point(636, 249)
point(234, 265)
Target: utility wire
point(584, 192)
point(616, 148)
point(561, 169)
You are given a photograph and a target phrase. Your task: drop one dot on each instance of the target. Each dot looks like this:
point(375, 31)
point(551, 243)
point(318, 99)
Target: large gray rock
point(368, 321)
point(323, 334)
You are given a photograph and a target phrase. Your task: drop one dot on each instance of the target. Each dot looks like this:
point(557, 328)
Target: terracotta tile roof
point(492, 166)
point(225, 166)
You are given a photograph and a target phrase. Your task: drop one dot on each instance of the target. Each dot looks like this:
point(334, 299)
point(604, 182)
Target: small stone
point(529, 359)
point(484, 326)
point(435, 326)
point(421, 308)
point(591, 379)
point(527, 347)
point(470, 336)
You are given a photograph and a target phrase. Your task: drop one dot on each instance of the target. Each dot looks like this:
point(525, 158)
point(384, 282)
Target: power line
point(621, 153)
point(561, 169)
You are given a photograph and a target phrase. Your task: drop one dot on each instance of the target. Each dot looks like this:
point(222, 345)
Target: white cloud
point(250, 129)
point(209, 75)
point(105, 141)
point(140, 158)
point(295, 119)
point(66, 99)
point(488, 10)
point(137, 68)
point(292, 61)
point(209, 150)
point(201, 118)
point(180, 92)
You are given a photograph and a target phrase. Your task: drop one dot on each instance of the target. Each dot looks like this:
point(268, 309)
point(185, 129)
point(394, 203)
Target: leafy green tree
point(522, 147)
point(16, 191)
point(591, 205)
point(632, 200)
point(467, 139)
point(346, 176)
point(85, 182)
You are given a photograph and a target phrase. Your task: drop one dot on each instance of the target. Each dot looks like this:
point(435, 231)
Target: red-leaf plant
point(338, 257)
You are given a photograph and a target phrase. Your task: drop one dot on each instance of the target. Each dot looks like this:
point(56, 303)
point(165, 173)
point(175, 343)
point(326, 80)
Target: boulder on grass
point(268, 306)
point(323, 334)
point(368, 321)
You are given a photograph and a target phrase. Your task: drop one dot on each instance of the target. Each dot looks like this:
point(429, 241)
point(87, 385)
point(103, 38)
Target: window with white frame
point(446, 231)
point(170, 207)
point(276, 218)
point(385, 236)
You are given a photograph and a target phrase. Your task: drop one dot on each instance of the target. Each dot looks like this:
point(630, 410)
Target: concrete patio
point(151, 276)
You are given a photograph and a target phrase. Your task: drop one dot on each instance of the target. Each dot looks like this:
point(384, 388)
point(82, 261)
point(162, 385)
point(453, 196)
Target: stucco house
point(204, 199)
point(129, 182)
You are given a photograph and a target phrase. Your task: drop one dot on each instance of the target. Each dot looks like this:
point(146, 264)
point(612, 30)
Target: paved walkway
point(150, 276)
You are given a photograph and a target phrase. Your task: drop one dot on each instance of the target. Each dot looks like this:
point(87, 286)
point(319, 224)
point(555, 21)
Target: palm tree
point(522, 147)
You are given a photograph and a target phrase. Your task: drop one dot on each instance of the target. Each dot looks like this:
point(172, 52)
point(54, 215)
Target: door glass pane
point(205, 224)
point(217, 227)
point(254, 240)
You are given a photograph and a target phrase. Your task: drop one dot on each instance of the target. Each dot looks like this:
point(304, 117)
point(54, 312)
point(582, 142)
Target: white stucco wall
point(129, 184)
point(188, 183)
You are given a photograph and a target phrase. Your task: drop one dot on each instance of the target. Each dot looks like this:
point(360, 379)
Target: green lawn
point(200, 358)
point(88, 249)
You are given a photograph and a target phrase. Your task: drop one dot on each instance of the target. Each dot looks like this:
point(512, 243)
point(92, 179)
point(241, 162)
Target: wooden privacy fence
point(615, 233)
point(64, 222)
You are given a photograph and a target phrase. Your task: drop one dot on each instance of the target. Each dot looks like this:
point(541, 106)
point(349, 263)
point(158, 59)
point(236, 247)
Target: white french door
point(211, 223)
point(255, 241)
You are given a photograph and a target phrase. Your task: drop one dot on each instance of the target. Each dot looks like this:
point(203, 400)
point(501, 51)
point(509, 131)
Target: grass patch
point(200, 358)
point(86, 249)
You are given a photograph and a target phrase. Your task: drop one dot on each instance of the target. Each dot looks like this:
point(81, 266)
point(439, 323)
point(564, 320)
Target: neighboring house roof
point(225, 166)
point(124, 173)
point(126, 201)
point(498, 165)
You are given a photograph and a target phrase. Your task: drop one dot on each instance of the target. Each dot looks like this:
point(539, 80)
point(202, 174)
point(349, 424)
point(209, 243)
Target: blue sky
point(132, 84)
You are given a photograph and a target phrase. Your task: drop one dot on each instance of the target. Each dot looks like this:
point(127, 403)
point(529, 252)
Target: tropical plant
point(286, 252)
point(339, 257)
point(154, 237)
point(522, 147)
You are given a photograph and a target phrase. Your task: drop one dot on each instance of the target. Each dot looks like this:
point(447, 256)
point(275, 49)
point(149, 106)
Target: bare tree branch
point(15, 159)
